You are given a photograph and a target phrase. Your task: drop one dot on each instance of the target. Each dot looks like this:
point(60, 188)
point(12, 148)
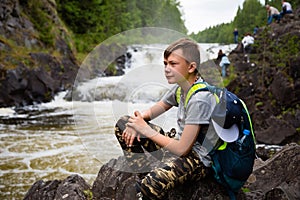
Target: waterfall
point(143, 80)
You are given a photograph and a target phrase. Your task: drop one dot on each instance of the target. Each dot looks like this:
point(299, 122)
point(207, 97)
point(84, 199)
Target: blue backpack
point(232, 162)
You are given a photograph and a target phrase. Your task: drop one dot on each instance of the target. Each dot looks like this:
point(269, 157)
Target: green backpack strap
point(196, 87)
point(249, 120)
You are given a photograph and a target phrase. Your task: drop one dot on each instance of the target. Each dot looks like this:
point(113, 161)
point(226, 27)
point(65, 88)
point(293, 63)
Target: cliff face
point(37, 58)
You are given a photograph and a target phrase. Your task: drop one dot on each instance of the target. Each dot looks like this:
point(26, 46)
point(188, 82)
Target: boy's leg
point(135, 155)
point(156, 184)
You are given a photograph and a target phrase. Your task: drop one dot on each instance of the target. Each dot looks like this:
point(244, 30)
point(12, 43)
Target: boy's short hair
point(190, 50)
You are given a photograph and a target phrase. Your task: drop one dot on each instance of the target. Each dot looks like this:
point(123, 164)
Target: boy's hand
point(129, 134)
point(138, 123)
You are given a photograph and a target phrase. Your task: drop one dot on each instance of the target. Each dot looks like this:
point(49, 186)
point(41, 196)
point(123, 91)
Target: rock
point(282, 89)
point(112, 183)
point(279, 176)
point(276, 178)
point(73, 187)
point(23, 86)
point(278, 128)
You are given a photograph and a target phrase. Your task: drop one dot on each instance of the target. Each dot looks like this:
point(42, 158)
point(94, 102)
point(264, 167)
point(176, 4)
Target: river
point(54, 140)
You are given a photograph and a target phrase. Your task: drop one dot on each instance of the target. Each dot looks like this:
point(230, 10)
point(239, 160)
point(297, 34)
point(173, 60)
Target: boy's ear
point(192, 67)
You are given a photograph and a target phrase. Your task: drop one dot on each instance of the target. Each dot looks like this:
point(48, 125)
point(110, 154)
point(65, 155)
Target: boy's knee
point(121, 123)
point(120, 126)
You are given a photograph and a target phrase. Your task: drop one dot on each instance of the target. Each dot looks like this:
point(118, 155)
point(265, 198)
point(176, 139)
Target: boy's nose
point(167, 69)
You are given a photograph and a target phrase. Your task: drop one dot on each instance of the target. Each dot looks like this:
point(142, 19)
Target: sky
point(201, 14)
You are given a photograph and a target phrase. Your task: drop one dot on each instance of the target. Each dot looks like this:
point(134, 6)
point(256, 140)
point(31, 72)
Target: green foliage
point(252, 14)
point(111, 68)
point(286, 50)
point(96, 20)
point(277, 52)
point(14, 55)
point(88, 194)
point(258, 104)
point(231, 77)
point(39, 17)
point(246, 190)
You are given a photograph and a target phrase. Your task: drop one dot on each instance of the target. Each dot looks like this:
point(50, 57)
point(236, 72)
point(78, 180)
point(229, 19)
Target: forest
point(93, 21)
point(252, 14)
point(97, 20)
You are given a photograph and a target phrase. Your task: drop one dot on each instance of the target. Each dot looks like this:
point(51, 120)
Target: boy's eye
point(165, 63)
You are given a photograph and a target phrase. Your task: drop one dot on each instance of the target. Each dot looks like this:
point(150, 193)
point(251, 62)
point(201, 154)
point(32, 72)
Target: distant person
point(286, 8)
point(247, 42)
point(220, 55)
point(272, 13)
point(236, 35)
point(224, 63)
point(255, 30)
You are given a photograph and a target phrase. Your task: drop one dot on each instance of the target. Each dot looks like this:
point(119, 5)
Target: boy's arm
point(179, 147)
point(156, 110)
point(147, 115)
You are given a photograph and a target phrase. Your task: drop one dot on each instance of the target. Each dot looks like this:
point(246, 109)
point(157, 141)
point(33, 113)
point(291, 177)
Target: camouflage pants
point(171, 171)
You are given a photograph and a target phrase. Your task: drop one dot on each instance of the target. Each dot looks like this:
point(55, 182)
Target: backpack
point(232, 162)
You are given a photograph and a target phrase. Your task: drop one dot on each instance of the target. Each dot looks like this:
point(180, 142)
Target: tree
point(250, 15)
point(96, 20)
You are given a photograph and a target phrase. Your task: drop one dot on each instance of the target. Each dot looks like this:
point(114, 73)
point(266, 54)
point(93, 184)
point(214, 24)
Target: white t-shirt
point(247, 40)
point(273, 11)
point(197, 111)
point(224, 61)
point(287, 5)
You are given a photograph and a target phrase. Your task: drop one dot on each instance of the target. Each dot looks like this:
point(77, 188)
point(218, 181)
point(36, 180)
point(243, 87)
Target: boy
point(189, 159)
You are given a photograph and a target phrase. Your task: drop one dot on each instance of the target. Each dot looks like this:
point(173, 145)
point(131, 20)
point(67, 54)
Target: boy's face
point(176, 67)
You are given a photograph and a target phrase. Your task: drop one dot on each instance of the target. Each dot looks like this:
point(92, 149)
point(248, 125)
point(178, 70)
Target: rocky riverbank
point(274, 178)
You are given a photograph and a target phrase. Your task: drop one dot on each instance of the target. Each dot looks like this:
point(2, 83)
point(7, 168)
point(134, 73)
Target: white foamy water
point(53, 140)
